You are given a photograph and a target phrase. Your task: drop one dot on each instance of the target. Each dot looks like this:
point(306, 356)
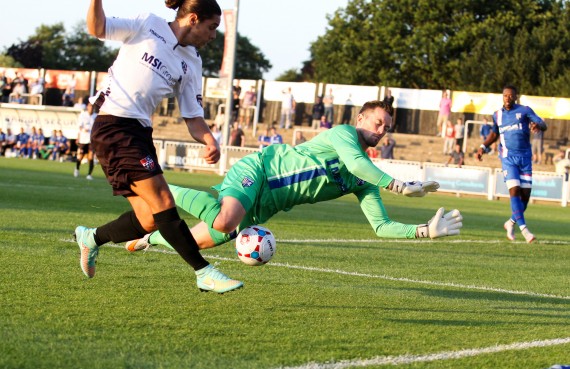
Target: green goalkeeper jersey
point(330, 165)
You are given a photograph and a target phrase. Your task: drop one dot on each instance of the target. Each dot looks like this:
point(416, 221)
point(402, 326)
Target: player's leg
point(80, 155)
point(91, 163)
point(517, 178)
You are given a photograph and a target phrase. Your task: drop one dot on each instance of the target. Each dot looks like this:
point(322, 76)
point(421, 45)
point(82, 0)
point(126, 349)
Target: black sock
point(90, 167)
point(176, 232)
point(125, 228)
point(77, 164)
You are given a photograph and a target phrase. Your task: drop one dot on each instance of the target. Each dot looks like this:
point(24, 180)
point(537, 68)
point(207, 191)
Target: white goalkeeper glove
point(441, 225)
point(414, 188)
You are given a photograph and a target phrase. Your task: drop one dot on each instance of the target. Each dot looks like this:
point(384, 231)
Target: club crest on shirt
point(518, 115)
point(246, 182)
point(184, 67)
point(148, 163)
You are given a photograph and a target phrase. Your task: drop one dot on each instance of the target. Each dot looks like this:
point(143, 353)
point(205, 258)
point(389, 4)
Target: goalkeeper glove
point(441, 225)
point(414, 188)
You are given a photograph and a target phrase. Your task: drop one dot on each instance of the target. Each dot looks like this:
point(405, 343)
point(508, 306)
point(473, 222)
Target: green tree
point(8, 62)
point(461, 44)
point(290, 75)
point(250, 61)
point(51, 48)
point(85, 52)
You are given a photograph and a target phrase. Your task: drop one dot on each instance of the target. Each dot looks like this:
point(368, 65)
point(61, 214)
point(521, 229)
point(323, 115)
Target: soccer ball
point(255, 245)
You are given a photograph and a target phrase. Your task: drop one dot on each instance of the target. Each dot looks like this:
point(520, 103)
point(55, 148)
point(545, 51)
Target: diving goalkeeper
point(332, 164)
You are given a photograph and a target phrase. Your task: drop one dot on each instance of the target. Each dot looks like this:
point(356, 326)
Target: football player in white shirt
point(84, 126)
point(157, 59)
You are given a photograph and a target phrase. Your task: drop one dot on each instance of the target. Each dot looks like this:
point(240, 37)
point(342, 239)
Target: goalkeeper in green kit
point(332, 164)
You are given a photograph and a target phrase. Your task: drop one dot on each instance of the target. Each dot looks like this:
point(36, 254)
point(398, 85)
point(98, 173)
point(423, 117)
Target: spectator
point(387, 148)
point(562, 163)
point(287, 108)
point(84, 126)
point(389, 99)
point(449, 138)
point(22, 143)
point(61, 146)
point(299, 138)
point(237, 137)
point(69, 93)
point(318, 112)
point(235, 104)
point(2, 142)
point(36, 90)
point(457, 156)
point(36, 143)
point(248, 104)
point(328, 101)
point(275, 137)
point(9, 142)
point(6, 88)
point(264, 139)
point(3, 84)
point(347, 112)
point(444, 111)
point(485, 131)
point(67, 101)
point(325, 124)
point(537, 145)
point(216, 133)
point(16, 98)
point(459, 132)
point(81, 104)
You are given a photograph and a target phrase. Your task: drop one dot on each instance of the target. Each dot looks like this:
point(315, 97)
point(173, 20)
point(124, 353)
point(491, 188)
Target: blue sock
point(518, 208)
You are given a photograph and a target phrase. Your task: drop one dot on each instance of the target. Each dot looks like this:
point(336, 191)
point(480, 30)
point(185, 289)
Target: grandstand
point(410, 147)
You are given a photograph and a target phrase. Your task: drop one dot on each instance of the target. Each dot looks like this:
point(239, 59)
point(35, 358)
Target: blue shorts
point(517, 171)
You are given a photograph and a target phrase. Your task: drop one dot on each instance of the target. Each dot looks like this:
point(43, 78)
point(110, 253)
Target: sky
point(281, 29)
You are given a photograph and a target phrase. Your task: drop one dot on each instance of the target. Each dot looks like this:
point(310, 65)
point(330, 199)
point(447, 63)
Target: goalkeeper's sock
point(156, 238)
point(517, 207)
point(200, 204)
point(219, 238)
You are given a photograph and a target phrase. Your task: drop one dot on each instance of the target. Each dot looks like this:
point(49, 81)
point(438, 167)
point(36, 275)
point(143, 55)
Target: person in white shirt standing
point(85, 124)
point(157, 59)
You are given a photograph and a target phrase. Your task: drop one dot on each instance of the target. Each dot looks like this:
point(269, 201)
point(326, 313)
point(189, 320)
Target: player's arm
point(199, 130)
point(360, 165)
point(96, 19)
point(537, 123)
point(440, 225)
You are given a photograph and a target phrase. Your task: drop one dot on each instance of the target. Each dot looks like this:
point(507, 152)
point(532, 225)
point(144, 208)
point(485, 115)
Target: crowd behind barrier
point(416, 111)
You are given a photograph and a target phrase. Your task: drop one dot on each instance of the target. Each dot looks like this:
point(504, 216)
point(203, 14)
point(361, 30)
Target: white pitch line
point(377, 276)
point(383, 240)
point(445, 355)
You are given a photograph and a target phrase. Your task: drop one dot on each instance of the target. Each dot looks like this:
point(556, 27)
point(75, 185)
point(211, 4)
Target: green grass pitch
point(334, 296)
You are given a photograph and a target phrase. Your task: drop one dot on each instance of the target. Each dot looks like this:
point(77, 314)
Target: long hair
point(204, 9)
point(371, 105)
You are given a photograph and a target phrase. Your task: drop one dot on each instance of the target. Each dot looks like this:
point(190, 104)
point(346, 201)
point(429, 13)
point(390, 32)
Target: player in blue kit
point(512, 125)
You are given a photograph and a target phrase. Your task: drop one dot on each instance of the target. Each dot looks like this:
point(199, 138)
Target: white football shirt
point(151, 65)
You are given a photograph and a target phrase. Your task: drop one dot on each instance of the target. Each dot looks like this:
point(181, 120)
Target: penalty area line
point(445, 355)
point(365, 275)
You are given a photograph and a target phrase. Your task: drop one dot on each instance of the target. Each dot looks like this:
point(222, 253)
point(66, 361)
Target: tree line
point(472, 45)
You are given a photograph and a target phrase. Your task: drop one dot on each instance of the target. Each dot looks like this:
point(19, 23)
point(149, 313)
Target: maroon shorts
point(125, 150)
